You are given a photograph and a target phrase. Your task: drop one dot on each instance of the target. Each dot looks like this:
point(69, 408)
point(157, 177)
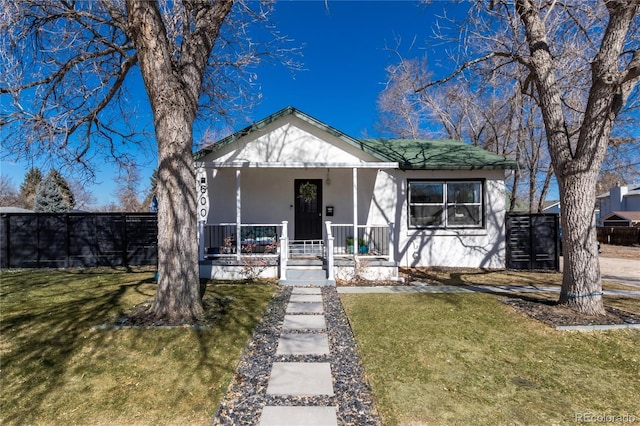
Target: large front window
point(445, 204)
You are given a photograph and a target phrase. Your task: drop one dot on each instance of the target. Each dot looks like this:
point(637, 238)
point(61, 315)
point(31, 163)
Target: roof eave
point(460, 167)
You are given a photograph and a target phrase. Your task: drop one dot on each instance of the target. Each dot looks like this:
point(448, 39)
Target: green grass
point(450, 359)
point(56, 369)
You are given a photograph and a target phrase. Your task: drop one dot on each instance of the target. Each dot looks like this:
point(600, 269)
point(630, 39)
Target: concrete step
point(300, 379)
point(306, 274)
point(305, 308)
point(316, 283)
point(298, 416)
point(304, 322)
point(306, 290)
point(303, 344)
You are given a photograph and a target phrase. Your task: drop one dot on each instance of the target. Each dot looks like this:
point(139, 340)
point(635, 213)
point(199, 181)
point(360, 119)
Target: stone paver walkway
point(304, 333)
point(300, 366)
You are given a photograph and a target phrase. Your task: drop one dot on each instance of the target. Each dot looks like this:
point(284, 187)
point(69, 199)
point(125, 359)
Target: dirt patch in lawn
point(554, 314)
point(620, 252)
point(141, 316)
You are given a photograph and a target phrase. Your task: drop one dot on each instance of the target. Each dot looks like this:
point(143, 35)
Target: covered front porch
point(264, 250)
point(276, 219)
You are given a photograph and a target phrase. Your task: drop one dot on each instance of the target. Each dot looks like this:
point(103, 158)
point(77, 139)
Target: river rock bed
point(247, 393)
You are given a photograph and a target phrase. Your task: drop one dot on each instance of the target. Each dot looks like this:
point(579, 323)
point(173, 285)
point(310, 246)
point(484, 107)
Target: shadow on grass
point(442, 276)
point(46, 316)
point(49, 347)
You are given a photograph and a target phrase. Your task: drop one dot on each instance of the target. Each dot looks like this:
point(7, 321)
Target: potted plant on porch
point(363, 245)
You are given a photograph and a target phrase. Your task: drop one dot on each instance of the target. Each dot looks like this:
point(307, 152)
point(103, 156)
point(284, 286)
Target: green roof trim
point(410, 154)
point(420, 154)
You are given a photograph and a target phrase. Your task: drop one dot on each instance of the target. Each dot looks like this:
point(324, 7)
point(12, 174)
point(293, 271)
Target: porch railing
point(371, 240)
point(220, 239)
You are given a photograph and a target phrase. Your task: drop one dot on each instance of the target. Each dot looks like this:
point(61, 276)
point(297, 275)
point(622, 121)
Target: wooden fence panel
point(44, 240)
point(532, 242)
point(619, 235)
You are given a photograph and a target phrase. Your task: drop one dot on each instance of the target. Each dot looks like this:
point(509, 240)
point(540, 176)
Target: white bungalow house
point(290, 194)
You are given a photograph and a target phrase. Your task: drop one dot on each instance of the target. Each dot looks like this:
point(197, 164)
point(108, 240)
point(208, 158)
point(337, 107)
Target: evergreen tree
point(49, 198)
point(65, 189)
point(153, 180)
point(29, 187)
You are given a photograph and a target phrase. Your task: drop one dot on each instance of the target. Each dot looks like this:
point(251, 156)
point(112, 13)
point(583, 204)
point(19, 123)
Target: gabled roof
point(270, 119)
point(550, 203)
point(10, 209)
point(632, 216)
point(410, 154)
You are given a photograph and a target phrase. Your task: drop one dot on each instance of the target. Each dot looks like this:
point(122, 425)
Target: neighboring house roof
point(410, 154)
point(550, 204)
point(14, 210)
point(632, 216)
point(633, 189)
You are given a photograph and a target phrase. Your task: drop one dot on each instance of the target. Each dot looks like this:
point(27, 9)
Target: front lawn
point(444, 359)
point(474, 277)
point(57, 369)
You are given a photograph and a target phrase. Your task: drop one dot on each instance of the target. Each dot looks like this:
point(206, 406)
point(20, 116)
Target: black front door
point(308, 210)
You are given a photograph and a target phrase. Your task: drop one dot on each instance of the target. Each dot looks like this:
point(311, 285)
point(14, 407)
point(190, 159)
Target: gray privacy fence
point(67, 240)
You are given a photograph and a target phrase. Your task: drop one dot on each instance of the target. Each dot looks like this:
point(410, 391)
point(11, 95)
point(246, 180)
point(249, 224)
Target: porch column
point(202, 208)
point(329, 246)
point(201, 240)
point(392, 243)
point(355, 211)
point(238, 216)
point(284, 250)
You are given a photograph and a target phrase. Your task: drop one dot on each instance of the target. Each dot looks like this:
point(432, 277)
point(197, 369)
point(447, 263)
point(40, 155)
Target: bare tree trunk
point(178, 293)
point(577, 163)
point(513, 198)
point(581, 288)
point(173, 85)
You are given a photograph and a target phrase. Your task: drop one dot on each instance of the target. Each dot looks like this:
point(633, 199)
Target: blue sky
point(344, 57)
point(344, 60)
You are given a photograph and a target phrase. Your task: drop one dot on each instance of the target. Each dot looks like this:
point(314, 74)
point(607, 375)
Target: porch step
point(309, 276)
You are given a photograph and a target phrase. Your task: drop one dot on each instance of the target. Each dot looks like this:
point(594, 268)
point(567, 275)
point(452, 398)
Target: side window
point(446, 204)
point(464, 204)
point(426, 204)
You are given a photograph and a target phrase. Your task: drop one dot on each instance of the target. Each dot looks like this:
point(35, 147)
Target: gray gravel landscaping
point(247, 394)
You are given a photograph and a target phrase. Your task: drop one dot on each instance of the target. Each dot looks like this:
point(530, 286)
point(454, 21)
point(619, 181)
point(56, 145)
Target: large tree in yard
point(579, 60)
point(65, 64)
point(577, 153)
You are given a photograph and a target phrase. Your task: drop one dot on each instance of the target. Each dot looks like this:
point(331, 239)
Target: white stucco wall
point(474, 248)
